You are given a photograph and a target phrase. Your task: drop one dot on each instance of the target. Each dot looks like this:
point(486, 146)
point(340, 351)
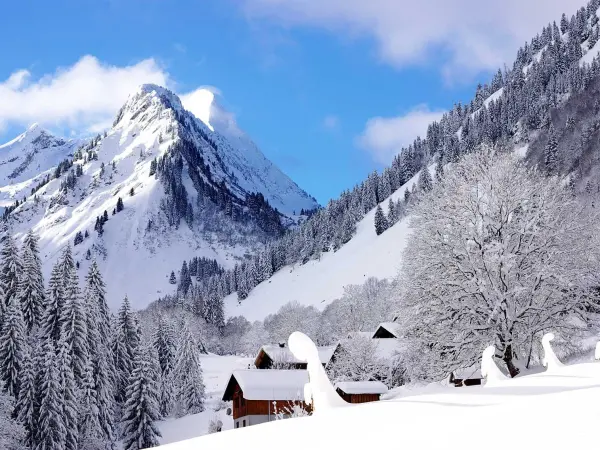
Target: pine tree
point(141, 408)
point(164, 344)
point(425, 182)
point(551, 152)
point(185, 280)
point(10, 271)
point(187, 375)
point(392, 216)
point(172, 279)
point(73, 322)
point(12, 433)
point(120, 204)
point(69, 389)
point(31, 289)
point(12, 347)
point(125, 347)
point(53, 305)
point(439, 170)
point(91, 434)
point(26, 409)
point(51, 431)
point(131, 192)
point(381, 223)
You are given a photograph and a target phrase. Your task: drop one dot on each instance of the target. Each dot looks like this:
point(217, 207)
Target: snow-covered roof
point(283, 354)
point(359, 334)
point(393, 327)
point(268, 384)
point(362, 387)
point(387, 348)
point(468, 373)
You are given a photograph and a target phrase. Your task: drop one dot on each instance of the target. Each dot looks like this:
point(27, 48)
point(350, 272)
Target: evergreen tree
point(392, 216)
point(187, 375)
point(73, 322)
point(381, 223)
point(120, 204)
point(69, 389)
point(26, 409)
point(172, 279)
point(12, 433)
point(51, 431)
point(425, 182)
point(12, 347)
point(91, 433)
point(31, 289)
point(141, 408)
point(131, 192)
point(439, 170)
point(53, 305)
point(164, 344)
point(185, 280)
point(125, 348)
point(551, 152)
point(10, 271)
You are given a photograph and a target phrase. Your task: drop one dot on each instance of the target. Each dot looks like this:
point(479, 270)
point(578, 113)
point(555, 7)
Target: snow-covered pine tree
point(425, 182)
point(91, 433)
point(124, 348)
point(53, 304)
point(185, 280)
point(31, 289)
point(121, 362)
point(551, 152)
point(51, 431)
point(391, 216)
point(187, 375)
point(12, 433)
point(381, 223)
point(73, 322)
point(10, 272)
point(164, 344)
point(172, 279)
point(141, 407)
point(69, 390)
point(26, 409)
point(12, 346)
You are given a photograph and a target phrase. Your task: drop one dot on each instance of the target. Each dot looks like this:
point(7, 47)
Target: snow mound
point(550, 361)
point(493, 375)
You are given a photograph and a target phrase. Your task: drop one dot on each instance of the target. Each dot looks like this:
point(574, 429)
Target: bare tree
point(499, 254)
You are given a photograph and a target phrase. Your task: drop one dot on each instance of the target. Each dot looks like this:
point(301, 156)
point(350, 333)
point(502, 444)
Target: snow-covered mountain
point(188, 189)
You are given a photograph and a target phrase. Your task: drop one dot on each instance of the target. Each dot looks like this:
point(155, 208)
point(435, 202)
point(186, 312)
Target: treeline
point(78, 377)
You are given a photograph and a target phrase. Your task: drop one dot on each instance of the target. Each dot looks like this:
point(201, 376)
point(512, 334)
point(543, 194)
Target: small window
point(237, 424)
point(244, 423)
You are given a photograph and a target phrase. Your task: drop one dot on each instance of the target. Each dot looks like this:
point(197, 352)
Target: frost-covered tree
point(91, 432)
point(357, 360)
point(68, 392)
point(10, 272)
point(31, 288)
point(12, 433)
point(425, 182)
point(187, 377)
point(141, 408)
point(51, 432)
point(12, 346)
point(289, 318)
point(125, 344)
point(551, 152)
point(26, 408)
point(163, 341)
point(499, 254)
point(381, 223)
point(185, 280)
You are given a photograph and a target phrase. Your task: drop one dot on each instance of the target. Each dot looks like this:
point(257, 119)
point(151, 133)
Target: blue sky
point(329, 90)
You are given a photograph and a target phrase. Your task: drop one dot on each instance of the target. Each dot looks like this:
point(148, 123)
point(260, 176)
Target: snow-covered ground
point(318, 283)
point(556, 409)
point(217, 370)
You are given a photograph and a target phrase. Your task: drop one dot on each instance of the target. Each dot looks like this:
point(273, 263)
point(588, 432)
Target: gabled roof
point(392, 327)
point(362, 387)
point(283, 354)
point(268, 384)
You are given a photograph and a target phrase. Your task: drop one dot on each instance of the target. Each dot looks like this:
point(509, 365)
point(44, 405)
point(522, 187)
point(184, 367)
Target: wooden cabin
point(470, 376)
point(360, 391)
point(279, 356)
point(258, 396)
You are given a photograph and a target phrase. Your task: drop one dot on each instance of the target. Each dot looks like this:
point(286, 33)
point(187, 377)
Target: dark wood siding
point(358, 398)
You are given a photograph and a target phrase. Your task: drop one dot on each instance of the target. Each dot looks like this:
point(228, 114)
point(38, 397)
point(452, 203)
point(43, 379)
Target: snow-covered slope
point(549, 410)
point(25, 160)
point(140, 245)
point(319, 282)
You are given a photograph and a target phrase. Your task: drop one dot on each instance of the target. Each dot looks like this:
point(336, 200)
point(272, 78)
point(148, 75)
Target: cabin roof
point(362, 387)
point(393, 327)
point(283, 354)
point(468, 373)
point(259, 384)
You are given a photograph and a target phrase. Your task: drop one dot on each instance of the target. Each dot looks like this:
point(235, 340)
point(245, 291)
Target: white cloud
point(470, 35)
point(84, 96)
point(331, 122)
point(384, 137)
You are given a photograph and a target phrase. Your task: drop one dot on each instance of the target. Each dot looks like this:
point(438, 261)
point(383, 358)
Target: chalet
point(470, 376)
point(279, 356)
point(360, 391)
point(259, 396)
